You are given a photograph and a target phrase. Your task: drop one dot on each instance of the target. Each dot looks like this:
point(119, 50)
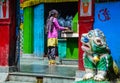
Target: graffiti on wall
point(4, 9)
point(104, 15)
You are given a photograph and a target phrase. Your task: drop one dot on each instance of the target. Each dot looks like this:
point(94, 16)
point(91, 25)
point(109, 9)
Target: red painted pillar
point(7, 32)
point(4, 33)
point(4, 42)
point(86, 19)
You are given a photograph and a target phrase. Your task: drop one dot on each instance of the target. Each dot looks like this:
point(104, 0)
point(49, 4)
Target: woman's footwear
point(52, 62)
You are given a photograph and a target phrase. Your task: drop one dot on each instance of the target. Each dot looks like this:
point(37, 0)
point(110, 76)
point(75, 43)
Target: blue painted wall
point(107, 19)
point(39, 30)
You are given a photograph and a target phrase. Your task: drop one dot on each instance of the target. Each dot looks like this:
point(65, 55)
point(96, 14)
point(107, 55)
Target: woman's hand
point(66, 28)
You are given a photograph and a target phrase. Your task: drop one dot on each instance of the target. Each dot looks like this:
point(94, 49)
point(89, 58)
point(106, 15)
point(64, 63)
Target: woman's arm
point(56, 24)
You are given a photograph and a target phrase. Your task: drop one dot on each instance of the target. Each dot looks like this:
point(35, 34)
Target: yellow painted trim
point(27, 3)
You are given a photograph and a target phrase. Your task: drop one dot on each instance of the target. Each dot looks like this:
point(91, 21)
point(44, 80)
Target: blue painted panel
point(39, 30)
point(107, 19)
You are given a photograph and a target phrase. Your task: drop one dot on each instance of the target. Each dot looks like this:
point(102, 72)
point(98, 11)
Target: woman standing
point(52, 29)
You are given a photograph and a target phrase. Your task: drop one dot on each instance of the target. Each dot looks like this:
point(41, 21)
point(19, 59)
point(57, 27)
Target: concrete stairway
point(43, 74)
point(20, 79)
point(44, 61)
point(36, 73)
point(37, 70)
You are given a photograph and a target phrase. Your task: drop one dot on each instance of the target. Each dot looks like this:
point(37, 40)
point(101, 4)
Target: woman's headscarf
point(50, 20)
point(52, 13)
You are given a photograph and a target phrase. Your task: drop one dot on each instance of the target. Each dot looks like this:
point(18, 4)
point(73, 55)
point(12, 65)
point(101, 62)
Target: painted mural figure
point(97, 58)
point(86, 6)
point(52, 29)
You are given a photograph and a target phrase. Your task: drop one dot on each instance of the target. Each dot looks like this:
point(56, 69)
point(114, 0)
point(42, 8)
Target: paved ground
point(40, 67)
point(46, 70)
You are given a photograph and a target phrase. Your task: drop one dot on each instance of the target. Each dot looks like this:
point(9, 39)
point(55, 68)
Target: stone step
point(57, 80)
point(31, 73)
point(17, 82)
point(3, 77)
point(44, 61)
point(69, 61)
point(16, 78)
point(32, 61)
point(22, 78)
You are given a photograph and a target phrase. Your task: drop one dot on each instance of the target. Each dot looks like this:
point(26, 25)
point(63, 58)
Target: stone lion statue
point(96, 57)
